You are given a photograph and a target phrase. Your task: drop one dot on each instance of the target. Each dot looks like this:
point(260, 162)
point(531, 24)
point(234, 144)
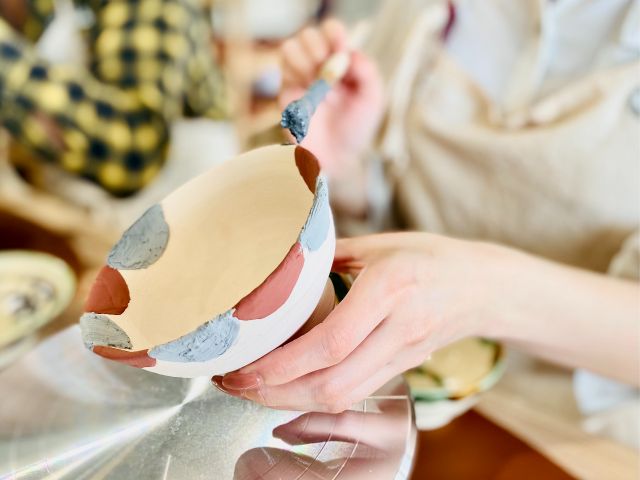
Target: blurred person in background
point(510, 125)
point(150, 62)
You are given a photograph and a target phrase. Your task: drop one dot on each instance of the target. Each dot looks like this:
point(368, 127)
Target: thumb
point(353, 254)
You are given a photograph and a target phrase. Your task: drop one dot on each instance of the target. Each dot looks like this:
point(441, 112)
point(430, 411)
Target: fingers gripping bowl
point(221, 272)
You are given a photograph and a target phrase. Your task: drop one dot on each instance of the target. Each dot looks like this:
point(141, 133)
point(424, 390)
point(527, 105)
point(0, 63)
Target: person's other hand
point(414, 293)
point(345, 122)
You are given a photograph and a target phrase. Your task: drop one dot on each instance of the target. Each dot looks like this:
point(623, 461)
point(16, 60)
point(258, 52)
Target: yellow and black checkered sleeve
point(160, 49)
point(110, 123)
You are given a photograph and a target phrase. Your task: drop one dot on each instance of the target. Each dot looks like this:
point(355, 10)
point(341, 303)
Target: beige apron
point(536, 148)
point(557, 174)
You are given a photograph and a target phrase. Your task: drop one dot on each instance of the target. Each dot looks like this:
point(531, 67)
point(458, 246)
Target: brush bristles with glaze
point(297, 116)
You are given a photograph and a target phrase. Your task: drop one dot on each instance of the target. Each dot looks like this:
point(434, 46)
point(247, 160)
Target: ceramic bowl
point(450, 382)
point(35, 288)
point(221, 272)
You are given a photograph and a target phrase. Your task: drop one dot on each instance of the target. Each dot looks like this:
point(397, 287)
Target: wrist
point(503, 284)
point(522, 290)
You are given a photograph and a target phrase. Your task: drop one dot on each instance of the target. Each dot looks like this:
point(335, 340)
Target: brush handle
point(335, 67)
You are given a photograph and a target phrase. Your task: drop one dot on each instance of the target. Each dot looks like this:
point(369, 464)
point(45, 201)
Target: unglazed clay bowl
point(221, 272)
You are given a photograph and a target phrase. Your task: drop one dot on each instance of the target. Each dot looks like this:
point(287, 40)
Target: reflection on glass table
point(68, 414)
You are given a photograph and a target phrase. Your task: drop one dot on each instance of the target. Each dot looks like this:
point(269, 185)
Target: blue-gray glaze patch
point(208, 341)
point(101, 330)
point(143, 243)
point(316, 228)
point(297, 116)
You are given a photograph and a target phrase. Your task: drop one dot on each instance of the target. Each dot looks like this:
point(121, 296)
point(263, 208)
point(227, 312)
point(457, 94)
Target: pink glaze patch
point(109, 293)
point(271, 294)
point(139, 358)
point(308, 167)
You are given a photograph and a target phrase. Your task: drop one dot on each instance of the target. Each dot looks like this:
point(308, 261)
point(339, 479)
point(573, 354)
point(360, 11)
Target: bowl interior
point(228, 231)
point(458, 370)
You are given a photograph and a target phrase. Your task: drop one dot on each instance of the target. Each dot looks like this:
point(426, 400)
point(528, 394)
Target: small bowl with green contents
point(450, 382)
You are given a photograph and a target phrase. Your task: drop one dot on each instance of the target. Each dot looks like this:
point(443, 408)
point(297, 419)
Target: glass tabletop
point(68, 414)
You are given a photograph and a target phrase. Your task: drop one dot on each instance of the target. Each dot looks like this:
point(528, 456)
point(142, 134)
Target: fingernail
point(241, 381)
point(217, 382)
point(284, 434)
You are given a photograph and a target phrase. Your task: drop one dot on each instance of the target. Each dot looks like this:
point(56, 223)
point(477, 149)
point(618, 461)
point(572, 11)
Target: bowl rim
point(310, 172)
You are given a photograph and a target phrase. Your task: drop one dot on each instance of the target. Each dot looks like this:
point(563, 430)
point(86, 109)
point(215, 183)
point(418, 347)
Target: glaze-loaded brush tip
point(297, 116)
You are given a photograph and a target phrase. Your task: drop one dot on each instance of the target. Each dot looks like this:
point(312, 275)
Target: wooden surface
point(536, 402)
point(472, 447)
point(580, 453)
point(531, 414)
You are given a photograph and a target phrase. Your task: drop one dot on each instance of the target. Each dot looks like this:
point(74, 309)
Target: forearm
point(569, 316)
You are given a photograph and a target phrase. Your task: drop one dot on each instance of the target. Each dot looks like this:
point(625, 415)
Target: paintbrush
point(297, 116)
